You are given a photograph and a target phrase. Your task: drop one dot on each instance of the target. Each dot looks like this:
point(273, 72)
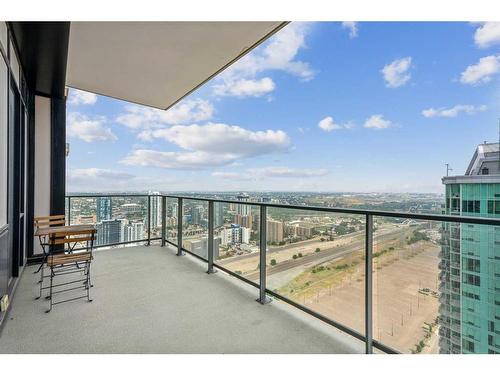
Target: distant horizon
point(249, 191)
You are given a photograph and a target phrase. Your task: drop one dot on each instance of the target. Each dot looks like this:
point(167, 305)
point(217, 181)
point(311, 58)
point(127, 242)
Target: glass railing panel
point(237, 236)
point(195, 227)
point(155, 215)
point(118, 219)
point(171, 227)
point(406, 284)
point(316, 259)
point(67, 203)
point(83, 210)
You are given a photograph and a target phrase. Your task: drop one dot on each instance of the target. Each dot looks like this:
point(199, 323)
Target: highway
point(324, 255)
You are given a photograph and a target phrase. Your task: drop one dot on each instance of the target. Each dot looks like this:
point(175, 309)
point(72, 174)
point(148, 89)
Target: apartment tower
point(469, 311)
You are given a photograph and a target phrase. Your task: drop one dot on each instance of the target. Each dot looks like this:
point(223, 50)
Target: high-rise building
point(108, 232)
point(155, 213)
point(245, 235)
point(235, 235)
point(196, 215)
point(243, 209)
point(469, 312)
point(244, 221)
point(104, 209)
point(218, 214)
point(299, 230)
point(274, 231)
point(174, 208)
point(132, 232)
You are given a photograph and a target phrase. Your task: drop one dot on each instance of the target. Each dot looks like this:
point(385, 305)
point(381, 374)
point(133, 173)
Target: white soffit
point(156, 63)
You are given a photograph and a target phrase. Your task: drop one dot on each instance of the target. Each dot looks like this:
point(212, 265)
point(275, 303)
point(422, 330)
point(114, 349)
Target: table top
point(70, 229)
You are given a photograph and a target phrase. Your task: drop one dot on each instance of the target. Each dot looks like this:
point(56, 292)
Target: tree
point(417, 236)
point(294, 256)
point(273, 262)
point(318, 250)
point(300, 255)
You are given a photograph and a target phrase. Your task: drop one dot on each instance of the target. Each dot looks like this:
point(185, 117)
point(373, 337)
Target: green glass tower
point(470, 259)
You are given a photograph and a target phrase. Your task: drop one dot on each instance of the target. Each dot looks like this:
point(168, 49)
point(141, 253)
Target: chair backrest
point(74, 237)
point(49, 221)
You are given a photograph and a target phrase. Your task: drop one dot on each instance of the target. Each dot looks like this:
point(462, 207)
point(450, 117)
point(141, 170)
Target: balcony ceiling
point(156, 63)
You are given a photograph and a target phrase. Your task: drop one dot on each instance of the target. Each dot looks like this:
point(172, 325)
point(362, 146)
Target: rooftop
point(484, 166)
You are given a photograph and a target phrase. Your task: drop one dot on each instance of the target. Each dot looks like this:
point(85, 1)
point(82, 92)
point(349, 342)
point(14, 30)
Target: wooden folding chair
point(70, 263)
point(44, 222)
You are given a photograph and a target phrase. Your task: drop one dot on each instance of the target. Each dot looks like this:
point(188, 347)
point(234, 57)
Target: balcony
point(138, 282)
point(147, 300)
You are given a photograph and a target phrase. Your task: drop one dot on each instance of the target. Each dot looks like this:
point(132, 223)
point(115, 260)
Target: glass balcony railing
point(379, 276)
point(121, 220)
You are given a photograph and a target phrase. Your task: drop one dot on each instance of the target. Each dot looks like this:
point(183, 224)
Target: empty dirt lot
point(400, 311)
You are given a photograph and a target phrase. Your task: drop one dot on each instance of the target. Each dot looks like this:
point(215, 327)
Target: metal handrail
point(369, 215)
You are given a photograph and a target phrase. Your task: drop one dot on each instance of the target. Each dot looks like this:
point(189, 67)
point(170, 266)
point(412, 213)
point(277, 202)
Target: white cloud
point(271, 172)
point(487, 34)
point(106, 180)
point(288, 172)
point(396, 73)
point(233, 175)
point(328, 125)
point(97, 173)
point(208, 145)
point(352, 27)
point(224, 139)
point(377, 122)
point(245, 87)
point(77, 97)
point(186, 111)
point(453, 111)
point(176, 160)
point(279, 53)
point(482, 72)
point(89, 130)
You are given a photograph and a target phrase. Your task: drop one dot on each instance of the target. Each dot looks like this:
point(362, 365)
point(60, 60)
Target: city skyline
point(319, 107)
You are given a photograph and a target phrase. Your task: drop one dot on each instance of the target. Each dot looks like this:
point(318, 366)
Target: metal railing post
point(149, 220)
point(263, 299)
point(179, 226)
point(163, 221)
point(369, 284)
point(211, 237)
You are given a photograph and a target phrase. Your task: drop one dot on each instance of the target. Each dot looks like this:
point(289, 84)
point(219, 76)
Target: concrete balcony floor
point(147, 300)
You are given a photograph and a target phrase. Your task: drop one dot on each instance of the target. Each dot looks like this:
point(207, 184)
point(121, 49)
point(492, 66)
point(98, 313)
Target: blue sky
point(363, 107)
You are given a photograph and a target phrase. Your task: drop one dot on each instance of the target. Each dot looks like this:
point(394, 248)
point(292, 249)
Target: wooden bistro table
point(44, 234)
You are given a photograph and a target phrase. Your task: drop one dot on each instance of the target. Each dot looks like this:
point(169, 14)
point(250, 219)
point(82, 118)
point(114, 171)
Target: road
point(324, 255)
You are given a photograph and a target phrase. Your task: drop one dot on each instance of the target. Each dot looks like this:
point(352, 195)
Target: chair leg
point(44, 258)
point(41, 269)
point(41, 283)
point(88, 282)
point(50, 289)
